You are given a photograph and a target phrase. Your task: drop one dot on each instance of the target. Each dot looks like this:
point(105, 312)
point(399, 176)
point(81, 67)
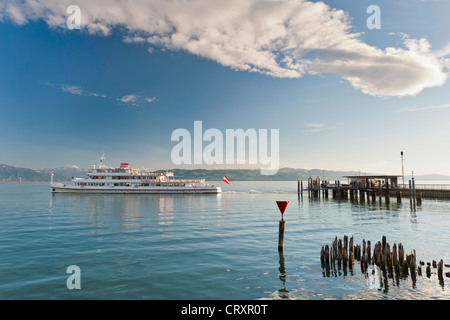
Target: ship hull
point(139, 190)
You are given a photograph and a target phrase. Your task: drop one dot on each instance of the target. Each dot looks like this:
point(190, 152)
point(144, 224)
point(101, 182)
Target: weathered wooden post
point(410, 193)
point(318, 187)
point(345, 251)
point(394, 258)
point(412, 265)
point(388, 192)
point(281, 234)
point(428, 270)
point(400, 253)
point(282, 205)
point(383, 252)
point(301, 188)
point(309, 188)
point(440, 268)
point(351, 249)
point(380, 191)
point(339, 190)
point(389, 259)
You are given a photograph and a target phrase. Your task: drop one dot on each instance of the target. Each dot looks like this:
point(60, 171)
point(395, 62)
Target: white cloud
point(128, 98)
point(77, 90)
point(133, 39)
point(15, 14)
point(314, 125)
point(279, 38)
point(422, 108)
point(72, 89)
point(133, 99)
point(317, 127)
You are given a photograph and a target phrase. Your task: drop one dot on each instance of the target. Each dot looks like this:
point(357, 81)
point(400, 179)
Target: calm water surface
point(205, 246)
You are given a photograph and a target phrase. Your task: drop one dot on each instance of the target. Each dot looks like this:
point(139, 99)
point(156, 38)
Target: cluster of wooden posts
point(392, 262)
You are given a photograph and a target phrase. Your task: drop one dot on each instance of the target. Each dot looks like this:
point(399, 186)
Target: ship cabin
point(124, 176)
point(373, 182)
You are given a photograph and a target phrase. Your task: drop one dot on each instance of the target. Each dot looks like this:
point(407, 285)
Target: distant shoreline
point(11, 173)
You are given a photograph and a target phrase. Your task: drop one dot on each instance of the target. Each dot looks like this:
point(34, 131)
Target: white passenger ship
point(103, 179)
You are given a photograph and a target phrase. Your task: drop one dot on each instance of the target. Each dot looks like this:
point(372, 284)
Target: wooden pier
point(368, 188)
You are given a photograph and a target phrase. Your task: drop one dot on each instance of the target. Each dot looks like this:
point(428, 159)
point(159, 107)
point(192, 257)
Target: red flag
point(226, 179)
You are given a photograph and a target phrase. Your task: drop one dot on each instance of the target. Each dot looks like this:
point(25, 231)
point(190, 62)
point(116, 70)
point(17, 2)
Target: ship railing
point(186, 180)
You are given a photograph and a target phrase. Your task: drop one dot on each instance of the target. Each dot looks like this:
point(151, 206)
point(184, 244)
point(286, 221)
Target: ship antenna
point(101, 160)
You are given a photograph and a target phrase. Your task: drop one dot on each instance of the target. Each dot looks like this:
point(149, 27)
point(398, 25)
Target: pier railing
point(419, 186)
point(360, 190)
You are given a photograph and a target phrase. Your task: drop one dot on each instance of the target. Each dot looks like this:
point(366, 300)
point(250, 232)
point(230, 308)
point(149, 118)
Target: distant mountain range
point(11, 173)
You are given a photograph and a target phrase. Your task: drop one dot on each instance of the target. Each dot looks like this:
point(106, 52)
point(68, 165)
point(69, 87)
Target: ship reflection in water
point(129, 206)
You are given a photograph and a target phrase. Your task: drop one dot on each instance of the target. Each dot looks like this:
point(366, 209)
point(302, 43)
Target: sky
point(342, 95)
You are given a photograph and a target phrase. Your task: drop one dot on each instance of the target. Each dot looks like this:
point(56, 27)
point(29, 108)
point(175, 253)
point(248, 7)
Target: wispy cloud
point(423, 108)
point(77, 90)
point(286, 39)
point(317, 127)
point(128, 98)
point(314, 125)
point(72, 89)
point(135, 100)
point(131, 99)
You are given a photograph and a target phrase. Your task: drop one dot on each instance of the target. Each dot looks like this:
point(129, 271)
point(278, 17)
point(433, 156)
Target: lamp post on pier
point(403, 174)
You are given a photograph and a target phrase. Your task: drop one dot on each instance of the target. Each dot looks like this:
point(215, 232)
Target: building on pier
point(373, 182)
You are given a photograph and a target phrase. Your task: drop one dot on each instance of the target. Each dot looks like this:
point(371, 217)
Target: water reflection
point(130, 206)
point(282, 276)
point(376, 278)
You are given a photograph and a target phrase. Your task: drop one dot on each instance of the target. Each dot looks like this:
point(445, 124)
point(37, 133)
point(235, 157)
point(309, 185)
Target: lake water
point(205, 246)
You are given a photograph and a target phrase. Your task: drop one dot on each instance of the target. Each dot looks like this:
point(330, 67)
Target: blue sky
point(134, 73)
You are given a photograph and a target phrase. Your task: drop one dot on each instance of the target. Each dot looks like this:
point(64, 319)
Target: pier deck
point(381, 186)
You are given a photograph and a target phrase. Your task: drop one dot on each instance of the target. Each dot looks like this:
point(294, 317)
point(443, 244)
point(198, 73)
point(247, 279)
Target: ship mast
point(100, 164)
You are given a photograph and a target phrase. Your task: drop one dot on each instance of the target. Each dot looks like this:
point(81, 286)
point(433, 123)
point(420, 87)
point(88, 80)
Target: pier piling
point(394, 263)
point(361, 188)
point(282, 205)
point(281, 235)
